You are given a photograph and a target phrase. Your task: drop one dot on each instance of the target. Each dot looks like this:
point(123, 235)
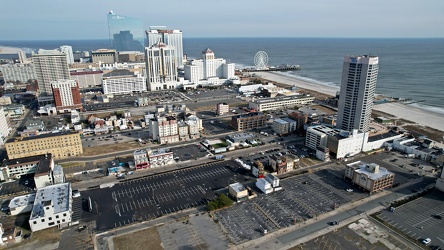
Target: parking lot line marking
point(123, 209)
point(127, 209)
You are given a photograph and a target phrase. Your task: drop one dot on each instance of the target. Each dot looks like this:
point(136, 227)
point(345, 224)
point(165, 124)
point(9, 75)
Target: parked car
point(349, 190)
point(426, 241)
point(334, 223)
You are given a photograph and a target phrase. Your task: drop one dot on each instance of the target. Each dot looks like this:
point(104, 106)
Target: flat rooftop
point(57, 196)
point(17, 139)
point(281, 99)
point(24, 160)
point(44, 165)
point(22, 201)
point(360, 167)
point(237, 187)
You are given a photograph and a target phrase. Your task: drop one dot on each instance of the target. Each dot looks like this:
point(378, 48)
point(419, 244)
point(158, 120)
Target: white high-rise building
point(208, 67)
point(67, 50)
point(18, 72)
point(359, 75)
point(170, 37)
point(5, 129)
point(124, 84)
point(164, 129)
point(50, 66)
point(161, 68)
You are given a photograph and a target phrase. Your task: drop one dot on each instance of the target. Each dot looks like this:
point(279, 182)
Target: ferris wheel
point(261, 60)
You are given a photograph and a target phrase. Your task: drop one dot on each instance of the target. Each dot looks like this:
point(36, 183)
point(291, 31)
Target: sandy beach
point(417, 115)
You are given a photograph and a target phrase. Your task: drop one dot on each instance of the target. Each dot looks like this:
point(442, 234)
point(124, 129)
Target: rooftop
point(41, 136)
point(21, 201)
point(237, 187)
point(281, 99)
point(382, 136)
point(364, 168)
point(44, 165)
point(25, 160)
point(58, 196)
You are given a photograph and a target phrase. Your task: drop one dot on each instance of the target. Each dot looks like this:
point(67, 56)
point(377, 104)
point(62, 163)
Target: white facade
point(280, 102)
point(160, 157)
point(50, 67)
point(52, 207)
point(5, 129)
point(67, 50)
point(64, 87)
point(124, 84)
point(346, 144)
point(317, 136)
point(161, 67)
point(209, 68)
point(21, 204)
point(18, 72)
point(169, 37)
point(359, 75)
point(264, 185)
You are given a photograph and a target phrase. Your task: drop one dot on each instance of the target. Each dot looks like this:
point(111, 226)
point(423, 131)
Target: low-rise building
point(52, 207)
point(371, 177)
point(60, 145)
point(160, 157)
point(222, 109)
point(21, 204)
point(238, 191)
point(284, 126)
point(43, 172)
point(141, 160)
point(264, 185)
point(15, 168)
point(248, 121)
point(280, 102)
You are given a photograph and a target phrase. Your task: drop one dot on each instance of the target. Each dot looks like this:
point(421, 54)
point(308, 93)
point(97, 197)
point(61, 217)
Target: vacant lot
point(144, 239)
point(109, 148)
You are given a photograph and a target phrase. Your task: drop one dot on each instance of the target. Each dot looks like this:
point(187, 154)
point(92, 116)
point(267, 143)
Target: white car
point(349, 190)
point(426, 241)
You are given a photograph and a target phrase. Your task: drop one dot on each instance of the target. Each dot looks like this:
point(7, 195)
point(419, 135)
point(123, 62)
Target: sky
point(86, 19)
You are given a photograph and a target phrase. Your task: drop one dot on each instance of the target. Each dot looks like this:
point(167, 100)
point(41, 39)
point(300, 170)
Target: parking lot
point(207, 94)
point(303, 197)
point(189, 152)
point(420, 219)
point(214, 127)
point(151, 197)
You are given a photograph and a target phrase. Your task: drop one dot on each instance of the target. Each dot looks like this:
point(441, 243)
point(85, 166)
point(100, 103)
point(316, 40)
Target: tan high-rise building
point(248, 121)
point(60, 145)
point(49, 66)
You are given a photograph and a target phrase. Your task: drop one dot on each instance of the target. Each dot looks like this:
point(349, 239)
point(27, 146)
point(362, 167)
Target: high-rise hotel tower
point(358, 86)
point(170, 37)
point(161, 67)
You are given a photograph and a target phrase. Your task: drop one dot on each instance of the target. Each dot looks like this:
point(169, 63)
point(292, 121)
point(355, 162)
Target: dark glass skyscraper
point(125, 33)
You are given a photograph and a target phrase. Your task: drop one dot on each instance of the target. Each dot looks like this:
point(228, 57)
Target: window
point(34, 222)
point(43, 220)
point(50, 218)
point(57, 216)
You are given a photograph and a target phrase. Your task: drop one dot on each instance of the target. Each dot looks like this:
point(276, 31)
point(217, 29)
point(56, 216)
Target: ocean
point(408, 68)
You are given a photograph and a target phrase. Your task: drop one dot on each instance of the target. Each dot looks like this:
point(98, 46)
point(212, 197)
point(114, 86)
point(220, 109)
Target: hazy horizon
point(83, 20)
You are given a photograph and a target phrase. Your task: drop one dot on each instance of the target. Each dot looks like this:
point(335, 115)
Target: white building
point(21, 204)
point(141, 160)
point(18, 72)
point(339, 142)
point(160, 157)
point(345, 143)
point(50, 66)
point(317, 136)
point(280, 102)
point(67, 50)
point(75, 116)
point(66, 95)
point(161, 67)
point(52, 207)
point(284, 126)
point(222, 108)
point(238, 191)
point(169, 37)
point(124, 84)
point(214, 71)
point(359, 75)
point(264, 185)
point(5, 129)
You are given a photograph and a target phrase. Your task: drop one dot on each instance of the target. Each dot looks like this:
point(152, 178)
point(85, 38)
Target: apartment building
point(60, 145)
point(248, 121)
point(222, 109)
point(164, 129)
